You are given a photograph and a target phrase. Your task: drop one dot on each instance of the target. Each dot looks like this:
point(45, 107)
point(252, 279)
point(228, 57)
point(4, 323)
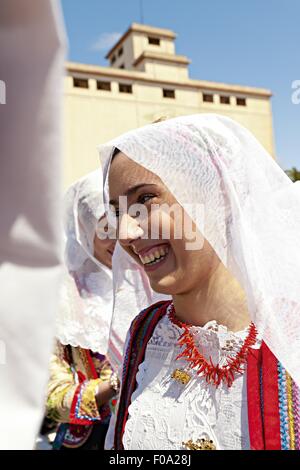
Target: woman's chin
point(166, 285)
point(162, 277)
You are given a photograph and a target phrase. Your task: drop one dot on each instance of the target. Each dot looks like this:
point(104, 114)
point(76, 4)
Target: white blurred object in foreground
point(31, 55)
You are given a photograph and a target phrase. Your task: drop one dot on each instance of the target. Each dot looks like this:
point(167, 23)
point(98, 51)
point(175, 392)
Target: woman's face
point(171, 267)
point(103, 245)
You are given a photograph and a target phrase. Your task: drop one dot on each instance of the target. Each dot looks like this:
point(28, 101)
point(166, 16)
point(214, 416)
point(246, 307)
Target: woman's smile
point(152, 257)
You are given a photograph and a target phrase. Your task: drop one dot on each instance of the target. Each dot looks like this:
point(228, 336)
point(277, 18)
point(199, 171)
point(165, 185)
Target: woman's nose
point(129, 229)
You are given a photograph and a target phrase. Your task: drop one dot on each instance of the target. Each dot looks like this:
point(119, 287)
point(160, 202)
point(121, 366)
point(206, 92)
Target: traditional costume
point(191, 387)
point(79, 364)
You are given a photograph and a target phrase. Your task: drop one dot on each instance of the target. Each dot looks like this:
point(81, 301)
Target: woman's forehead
point(125, 173)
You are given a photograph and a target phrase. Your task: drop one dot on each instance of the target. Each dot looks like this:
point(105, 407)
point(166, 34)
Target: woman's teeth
point(155, 255)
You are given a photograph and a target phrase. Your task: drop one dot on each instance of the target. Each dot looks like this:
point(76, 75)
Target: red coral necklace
point(214, 374)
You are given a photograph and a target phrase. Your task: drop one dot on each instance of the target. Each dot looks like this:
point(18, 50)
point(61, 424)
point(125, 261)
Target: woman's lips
point(153, 255)
point(156, 264)
point(144, 251)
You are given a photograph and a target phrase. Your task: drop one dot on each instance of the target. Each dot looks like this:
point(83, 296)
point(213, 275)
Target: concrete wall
point(135, 44)
point(94, 116)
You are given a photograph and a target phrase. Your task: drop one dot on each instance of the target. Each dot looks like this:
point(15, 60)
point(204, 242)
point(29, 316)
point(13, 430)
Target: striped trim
point(283, 409)
point(296, 411)
point(291, 421)
point(76, 415)
point(141, 331)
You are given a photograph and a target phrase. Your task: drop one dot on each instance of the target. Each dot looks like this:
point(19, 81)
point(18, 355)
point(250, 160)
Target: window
point(113, 59)
point(241, 101)
point(154, 41)
point(225, 99)
point(168, 93)
point(120, 52)
point(124, 88)
point(208, 98)
point(101, 85)
point(80, 82)
point(122, 66)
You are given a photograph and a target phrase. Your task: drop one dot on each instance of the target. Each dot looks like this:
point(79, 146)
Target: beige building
point(146, 79)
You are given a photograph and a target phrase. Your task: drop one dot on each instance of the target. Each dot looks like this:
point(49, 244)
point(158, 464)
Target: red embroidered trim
point(93, 370)
point(255, 417)
point(214, 374)
point(75, 403)
point(270, 399)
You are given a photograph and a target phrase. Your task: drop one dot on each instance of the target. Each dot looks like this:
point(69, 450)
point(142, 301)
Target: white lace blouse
point(164, 413)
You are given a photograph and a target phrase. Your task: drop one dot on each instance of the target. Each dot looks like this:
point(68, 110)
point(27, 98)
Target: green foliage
point(294, 174)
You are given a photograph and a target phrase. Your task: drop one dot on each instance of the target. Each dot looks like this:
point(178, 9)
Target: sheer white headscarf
point(251, 213)
point(132, 293)
point(85, 312)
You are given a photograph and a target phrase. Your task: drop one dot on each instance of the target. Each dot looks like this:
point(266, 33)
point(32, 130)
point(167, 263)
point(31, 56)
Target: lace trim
point(198, 409)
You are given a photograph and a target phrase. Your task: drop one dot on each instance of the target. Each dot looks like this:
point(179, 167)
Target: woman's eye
point(145, 198)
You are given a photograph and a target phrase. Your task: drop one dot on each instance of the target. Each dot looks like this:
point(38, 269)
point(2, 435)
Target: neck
point(219, 298)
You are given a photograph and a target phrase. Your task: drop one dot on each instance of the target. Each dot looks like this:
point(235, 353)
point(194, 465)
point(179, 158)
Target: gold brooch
point(200, 444)
point(181, 376)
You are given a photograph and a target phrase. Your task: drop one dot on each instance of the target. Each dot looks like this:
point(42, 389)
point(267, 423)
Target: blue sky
point(247, 42)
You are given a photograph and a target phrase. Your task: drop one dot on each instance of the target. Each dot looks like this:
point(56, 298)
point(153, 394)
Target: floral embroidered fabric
point(72, 385)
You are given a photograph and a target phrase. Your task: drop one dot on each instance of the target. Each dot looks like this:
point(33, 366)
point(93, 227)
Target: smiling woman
point(234, 313)
point(81, 378)
point(104, 245)
point(165, 258)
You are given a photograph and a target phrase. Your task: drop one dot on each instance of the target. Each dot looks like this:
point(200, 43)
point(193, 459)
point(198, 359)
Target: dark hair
point(115, 153)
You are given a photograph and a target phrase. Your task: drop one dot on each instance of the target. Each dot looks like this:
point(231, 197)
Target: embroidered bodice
point(165, 413)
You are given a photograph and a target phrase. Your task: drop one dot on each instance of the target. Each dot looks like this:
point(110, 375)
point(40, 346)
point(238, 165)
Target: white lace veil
point(132, 293)
point(251, 213)
point(87, 292)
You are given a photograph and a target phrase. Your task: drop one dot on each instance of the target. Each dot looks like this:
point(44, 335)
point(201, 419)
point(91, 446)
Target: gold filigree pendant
point(200, 444)
point(181, 376)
